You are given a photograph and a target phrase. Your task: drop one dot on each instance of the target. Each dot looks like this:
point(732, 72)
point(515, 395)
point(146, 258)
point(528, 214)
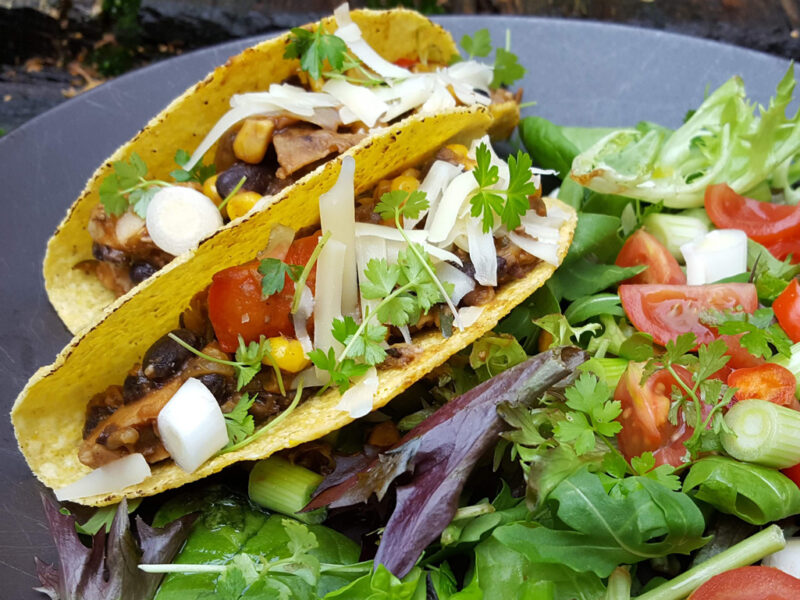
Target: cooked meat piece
point(101, 406)
point(297, 147)
point(399, 355)
point(114, 277)
point(516, 262)
point(481, 295)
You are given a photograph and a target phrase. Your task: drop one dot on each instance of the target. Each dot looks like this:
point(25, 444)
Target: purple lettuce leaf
point(110, 568)
point(441, 451)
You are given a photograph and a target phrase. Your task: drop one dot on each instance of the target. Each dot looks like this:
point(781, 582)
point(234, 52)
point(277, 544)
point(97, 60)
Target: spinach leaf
point(594, 234)
point(548, 146)
point(637, 519)
point(755, 494)
point(572, 193)
point(586, 307)
point(584, 278)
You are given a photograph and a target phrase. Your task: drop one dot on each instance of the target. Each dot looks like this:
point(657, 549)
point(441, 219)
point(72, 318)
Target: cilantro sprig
point(762, 336)
point(128, 186)
point(274, 272)
point(198, 173)
point(506, 68)
point(239, 422)
point(509, 204)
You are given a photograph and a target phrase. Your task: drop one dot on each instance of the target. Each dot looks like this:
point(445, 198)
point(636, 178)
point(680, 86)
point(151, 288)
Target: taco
point(427, 239)
point(267, 118)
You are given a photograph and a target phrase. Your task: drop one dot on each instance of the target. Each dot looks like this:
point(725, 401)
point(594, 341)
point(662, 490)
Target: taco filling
point(268, 140)
point(425, 249)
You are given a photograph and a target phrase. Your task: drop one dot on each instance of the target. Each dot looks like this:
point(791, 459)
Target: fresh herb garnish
point(478, 44)
point(239, 422)
point(274, 272)
point(489, 201)
point(198, 173)
point(128, 186)
point(313, 48)
point(593, 415)
point(506, 69)
point(762, 336)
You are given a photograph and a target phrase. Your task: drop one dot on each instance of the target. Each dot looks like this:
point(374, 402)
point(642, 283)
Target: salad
point(648, 445)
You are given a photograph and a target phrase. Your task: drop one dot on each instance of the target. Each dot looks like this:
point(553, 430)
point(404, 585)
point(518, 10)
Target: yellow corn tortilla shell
point(48, 415)
point(78, 297)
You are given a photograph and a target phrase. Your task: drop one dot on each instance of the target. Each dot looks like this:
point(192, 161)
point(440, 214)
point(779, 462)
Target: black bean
point(258, 178)
point(109, 254)
point(136, 386)
point(218, 384)
point(141, 270)
point(166, 357)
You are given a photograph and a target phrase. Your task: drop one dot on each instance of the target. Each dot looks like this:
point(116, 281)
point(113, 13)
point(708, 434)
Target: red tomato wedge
point(749, 583)
point(643, 248)
point(793, 473)
point(235, 305)
point(644, 418)
point(762, 221)
point(787, 310)
point(769, 382)
point(667, 311)
point(783, 249)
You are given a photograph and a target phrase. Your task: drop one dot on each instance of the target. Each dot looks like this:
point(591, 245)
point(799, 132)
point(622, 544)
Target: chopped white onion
point(716, 255)
point(129, 225)
point(362, 101)
point(470, 314)
point(787, 560)
point(111, 477)
point(482, 252)
point(357, 401)
point(439, 176)
point(280, 238)
point(367, 249)
point(191, 425)
point(178, 218)
point(308, 377)
point(337, 215)
point(547, 251)
point(463, 284)
point(328, 299)
point(448, 209)
point(299, 319)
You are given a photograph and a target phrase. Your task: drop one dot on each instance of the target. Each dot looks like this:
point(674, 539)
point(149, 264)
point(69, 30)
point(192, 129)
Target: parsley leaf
point(274, 273)
point(314, 48)
point(479, 44)
point(507, 69)
point(239, 422)
point(592, 412)
point(403, 203)
point(520, 186)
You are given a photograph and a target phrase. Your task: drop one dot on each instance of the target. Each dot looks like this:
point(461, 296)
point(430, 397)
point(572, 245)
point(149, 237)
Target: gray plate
point(579, 73)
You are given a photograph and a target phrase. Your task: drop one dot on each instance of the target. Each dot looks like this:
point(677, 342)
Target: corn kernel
point(384, 187)
point(459, 149)
point(405, 183)
point(288, 354)
point(411, 173)
point(210, 189)
point(253, 139)
point(241, 203)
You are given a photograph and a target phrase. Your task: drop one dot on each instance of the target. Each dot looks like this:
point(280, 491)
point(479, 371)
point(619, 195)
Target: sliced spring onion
point(463, 284)
point(337, 215)
point(787, 560)
point(763, 433)
point(482, 252)
point(328, 299)
point(280, 486)
point(179, 218)
point(718, 254)
point(361, 101)
point(191, 425)
point(357, 400)
point(111, 477)
point(675, 230)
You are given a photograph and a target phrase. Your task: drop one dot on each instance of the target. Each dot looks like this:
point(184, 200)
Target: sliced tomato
point(643, 248)
point(740, 357)
point(236, 307)
point(769, 382)
point(645, 412)
point(783, 249)
point(787, 310)
point(749, 583)
point(406, 62)
point(762, 221)
point(793, 473)
point(666, 311)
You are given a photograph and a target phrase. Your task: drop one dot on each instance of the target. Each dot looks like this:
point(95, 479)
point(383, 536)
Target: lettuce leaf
point(724, 140)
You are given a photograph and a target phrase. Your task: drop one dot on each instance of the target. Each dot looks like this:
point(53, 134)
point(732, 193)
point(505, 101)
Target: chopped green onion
point(607, 369)
point(792, 363)
point(280, 486)
point(742, 554)
point(675, 230)
point(763, 433)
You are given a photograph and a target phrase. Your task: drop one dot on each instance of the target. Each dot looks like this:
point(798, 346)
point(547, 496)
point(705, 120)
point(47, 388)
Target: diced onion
point(309, 378)
point(546, 251)
point(787, 560)
point(299, 319)
point(463, 284)
point(368, 248)
point(470, 315)
point(439, 176)
point(716, 255)
point(337, 215)
point(357, 401)
point(454, 196)
point(191, 425)
point(178, 218)
point(111, 477)
point(482, 253)
point(328, 299)
point(128, 225)
point(363, 102)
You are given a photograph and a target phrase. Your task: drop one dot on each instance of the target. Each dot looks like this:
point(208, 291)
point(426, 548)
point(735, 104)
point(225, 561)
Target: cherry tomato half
point(236, 307)
point(644, 418)
point(787, 310)
point(769, 382)
point(762, 221)
point(666, 311)
point(749, 583)
point(793, 473)
point(643, 248)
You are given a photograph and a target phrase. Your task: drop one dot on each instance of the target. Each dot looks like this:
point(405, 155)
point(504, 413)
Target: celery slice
point(763, 433)
point(278, 485)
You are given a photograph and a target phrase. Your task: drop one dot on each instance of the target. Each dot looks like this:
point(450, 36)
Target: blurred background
point(51, 50)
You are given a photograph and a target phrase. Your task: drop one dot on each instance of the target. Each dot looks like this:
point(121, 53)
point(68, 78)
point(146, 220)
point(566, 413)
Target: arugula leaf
point(637, 519)
point(479, 44)
point(101, 518)
point(314, 48)
point(381, 584)
point(586, 307)
point(239, 422)
point(274, 273)
point(563, 333)
point(584, 277)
